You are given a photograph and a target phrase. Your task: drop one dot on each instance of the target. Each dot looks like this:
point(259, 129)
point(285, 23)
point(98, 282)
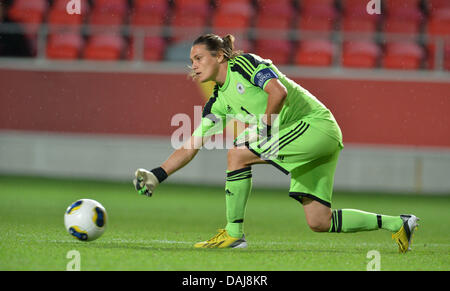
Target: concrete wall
point(360, 168)
point(103, 121)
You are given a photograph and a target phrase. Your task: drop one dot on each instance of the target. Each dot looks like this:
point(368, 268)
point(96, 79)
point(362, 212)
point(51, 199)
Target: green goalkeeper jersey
point(242, 97)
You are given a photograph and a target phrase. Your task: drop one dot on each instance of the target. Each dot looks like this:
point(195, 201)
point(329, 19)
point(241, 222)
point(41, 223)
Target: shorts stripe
point(287, 135)
point(287, 139)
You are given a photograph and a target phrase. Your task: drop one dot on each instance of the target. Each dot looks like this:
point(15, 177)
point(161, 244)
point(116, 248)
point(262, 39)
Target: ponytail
point(215, 44)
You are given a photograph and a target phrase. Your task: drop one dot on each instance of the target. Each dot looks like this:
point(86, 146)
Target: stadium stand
point(64, 46)
point(318, 16)
point(360, 54)
point(403, 55)
point(104, 46)
point(406, 35)
point(315, 52)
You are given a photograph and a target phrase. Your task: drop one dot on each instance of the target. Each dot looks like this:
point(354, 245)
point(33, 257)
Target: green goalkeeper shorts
point(305, 150)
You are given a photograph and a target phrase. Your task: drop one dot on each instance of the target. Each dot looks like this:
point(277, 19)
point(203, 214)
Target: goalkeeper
point(288, 128)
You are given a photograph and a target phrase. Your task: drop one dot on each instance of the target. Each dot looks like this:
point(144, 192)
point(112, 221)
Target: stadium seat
point(277, 50)
point(64, 46)
point(59, 19)
point(315, 52)
point(360, 54)
point(104, 47)
point(281, 9)
point(272, 26)
point(356, 19)
point(150, 13)
point(439, 22)
point(192, 7)
point(109, 13)
point(27, 11)
point(184, 26)
point(403, 16)
point(317, 15)
point(403, 55)
point(189, 18)
point(433, 5)
point(153, 49)
point(234, 24)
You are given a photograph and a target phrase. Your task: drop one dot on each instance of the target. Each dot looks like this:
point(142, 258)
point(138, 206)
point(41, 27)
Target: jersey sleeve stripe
point(250, 65)
point(238, 68)
point(244, 67)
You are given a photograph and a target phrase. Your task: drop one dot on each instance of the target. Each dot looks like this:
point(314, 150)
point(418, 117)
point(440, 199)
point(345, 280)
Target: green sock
point(237, 190)
point(352, 220)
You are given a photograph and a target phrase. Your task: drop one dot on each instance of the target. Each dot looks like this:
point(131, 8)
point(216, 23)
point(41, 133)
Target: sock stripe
point(379, 221)
point(241, 174)
point(336, 220)
point(239, 178)
point(339, 224)
point(236, 172)
point(333, 219)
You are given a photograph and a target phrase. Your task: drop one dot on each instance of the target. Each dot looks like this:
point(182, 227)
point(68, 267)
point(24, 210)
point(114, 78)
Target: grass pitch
point(158, 233)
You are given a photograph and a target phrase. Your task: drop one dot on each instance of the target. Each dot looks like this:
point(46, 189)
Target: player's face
point(205, 66)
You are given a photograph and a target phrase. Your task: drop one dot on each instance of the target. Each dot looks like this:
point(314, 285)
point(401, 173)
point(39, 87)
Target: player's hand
point(254, 133)
point(145, 182)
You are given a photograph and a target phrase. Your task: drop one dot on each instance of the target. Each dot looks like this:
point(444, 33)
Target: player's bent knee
point(239, 158)
point(319, 226)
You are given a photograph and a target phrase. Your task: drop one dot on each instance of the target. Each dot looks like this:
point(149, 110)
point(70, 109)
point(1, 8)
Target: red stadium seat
point(64, 46)
point(439, 23)
point(189, 18)
point(225, 23)
point(277, 50)
point(403, 26)
point(360, 54)
point(315, 52)
point(27, 11)
point(149, 13)
point(317, 17)
point(104, 47)
point(192, 7)
point(185, 27)
point(282, 9)
point(232, 16)
point(110, 13)
point(356, 18)
point(434, 5)
point(153, 49)
point(59, 19)
point(403, 16)
point(403, 55)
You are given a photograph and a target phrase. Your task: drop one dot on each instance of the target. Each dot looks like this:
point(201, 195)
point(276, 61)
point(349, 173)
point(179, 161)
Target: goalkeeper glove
point(145, 181)
point(254, 133)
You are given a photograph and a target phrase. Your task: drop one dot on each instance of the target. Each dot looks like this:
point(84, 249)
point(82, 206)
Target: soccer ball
point(85, 219)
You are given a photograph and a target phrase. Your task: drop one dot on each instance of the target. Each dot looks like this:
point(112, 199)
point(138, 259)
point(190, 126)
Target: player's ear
point(220, 57)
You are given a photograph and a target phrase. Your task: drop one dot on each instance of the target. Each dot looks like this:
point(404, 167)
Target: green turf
point(158, 233)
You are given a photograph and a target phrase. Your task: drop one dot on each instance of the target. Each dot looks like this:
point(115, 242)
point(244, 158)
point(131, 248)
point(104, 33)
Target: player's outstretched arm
point(146, 181)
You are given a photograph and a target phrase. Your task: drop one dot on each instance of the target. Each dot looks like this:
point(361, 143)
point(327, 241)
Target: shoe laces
point(221, 233)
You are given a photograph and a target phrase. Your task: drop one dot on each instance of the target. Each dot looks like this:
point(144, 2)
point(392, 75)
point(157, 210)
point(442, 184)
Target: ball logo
point(240, 88)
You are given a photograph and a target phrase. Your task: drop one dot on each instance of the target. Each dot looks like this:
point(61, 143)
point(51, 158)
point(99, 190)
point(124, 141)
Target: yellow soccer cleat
point(403, 237)
point(222, 240)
